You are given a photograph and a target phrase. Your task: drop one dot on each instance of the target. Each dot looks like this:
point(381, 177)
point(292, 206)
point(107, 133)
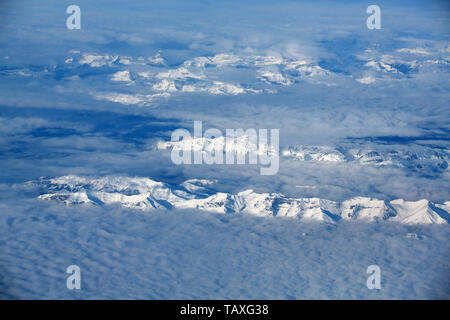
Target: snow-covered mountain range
point(226, 73)
point(425, 160)
point(414, 156)
point(147, 194)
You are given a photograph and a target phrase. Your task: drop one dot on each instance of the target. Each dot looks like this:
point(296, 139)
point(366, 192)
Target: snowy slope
point(415, 212)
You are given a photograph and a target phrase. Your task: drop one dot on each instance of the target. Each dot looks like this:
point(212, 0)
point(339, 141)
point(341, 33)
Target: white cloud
point(121, 76)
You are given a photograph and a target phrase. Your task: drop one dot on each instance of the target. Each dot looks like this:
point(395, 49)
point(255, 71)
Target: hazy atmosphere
point(87, 116)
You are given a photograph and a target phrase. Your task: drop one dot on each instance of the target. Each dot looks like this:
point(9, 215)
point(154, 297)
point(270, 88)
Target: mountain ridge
point(147, 194)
